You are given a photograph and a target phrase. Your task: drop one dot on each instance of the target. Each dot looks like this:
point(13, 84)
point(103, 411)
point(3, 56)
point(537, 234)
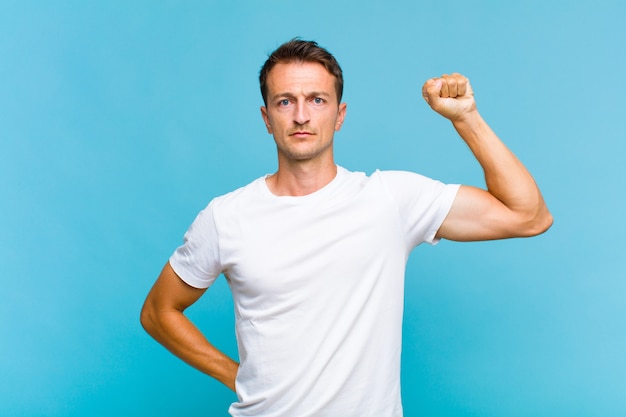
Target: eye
point(283, 102)
point(318, 100)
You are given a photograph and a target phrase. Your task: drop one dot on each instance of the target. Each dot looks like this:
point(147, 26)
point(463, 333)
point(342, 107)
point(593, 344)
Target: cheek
point(275, 123)
point(335, 122)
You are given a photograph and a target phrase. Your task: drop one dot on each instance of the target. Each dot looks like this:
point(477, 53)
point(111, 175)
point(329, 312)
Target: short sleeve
point(423, 203)
point(197, 260)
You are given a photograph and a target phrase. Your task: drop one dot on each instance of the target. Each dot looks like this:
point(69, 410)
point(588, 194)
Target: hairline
point(315, 54)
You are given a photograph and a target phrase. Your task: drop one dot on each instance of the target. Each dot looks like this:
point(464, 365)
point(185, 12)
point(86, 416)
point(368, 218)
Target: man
point(315, 255)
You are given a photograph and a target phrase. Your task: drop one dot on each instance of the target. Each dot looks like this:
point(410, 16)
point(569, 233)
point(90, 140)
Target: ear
point(341, 115)
point(266, 119)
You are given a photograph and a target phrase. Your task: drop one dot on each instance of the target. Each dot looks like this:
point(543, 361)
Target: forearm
point(512, 206)
point(179, 335)
point(506, 177)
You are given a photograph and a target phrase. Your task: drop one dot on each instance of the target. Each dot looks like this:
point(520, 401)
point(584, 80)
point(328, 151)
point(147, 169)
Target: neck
point(299, 178)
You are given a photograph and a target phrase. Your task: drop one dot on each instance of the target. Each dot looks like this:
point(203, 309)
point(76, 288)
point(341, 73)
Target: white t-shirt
point(317, 283)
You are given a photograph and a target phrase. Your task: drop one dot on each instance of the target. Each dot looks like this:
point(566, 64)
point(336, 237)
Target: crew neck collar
point(341, 172)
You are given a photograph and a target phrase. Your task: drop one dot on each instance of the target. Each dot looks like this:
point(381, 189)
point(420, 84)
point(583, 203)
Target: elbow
point(543, 225)
point(540, 223)
point(147, 318)
point(548, 222)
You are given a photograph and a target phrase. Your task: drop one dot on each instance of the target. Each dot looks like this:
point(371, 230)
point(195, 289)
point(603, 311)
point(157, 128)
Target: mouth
point(301, 134)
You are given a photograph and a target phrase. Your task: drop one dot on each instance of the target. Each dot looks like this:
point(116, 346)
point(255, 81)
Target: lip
point(301, 134)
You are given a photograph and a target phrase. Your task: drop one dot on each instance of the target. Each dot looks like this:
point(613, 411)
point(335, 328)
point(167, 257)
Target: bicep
point(478, 215)
point(171, 292)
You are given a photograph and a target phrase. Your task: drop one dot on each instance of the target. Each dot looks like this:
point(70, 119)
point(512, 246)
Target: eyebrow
point(291, 95)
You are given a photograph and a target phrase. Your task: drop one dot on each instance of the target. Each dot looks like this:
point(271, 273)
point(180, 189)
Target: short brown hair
point(297, 50)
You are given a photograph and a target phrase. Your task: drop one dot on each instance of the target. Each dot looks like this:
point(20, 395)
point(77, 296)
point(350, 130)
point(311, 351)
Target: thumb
point(432, 90)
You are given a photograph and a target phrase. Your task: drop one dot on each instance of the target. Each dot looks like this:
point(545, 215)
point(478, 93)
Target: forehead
point(300, 77)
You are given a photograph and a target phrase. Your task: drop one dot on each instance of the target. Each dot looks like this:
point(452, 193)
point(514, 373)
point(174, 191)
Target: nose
point(301, 114)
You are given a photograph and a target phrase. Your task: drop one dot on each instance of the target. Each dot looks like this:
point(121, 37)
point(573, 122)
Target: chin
point(304, 153)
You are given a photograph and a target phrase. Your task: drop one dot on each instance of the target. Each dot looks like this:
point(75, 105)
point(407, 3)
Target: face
point(302, 111)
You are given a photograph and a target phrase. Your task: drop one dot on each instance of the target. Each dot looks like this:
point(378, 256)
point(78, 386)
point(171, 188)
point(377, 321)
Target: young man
point(315, 255)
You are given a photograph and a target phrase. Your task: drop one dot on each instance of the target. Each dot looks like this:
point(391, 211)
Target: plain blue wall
point(120, 120)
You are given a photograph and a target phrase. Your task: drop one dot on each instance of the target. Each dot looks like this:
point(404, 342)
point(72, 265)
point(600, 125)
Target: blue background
point(120, 120)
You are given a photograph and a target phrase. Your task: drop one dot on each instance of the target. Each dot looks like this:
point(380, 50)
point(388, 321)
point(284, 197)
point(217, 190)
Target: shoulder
point(241, 195)
point(405, 185)
point(227, 203)
point(381, 175)
point(398, 176)
point(395, 180)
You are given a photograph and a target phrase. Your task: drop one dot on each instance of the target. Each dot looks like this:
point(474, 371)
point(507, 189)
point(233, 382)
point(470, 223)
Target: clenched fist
point(450, 95)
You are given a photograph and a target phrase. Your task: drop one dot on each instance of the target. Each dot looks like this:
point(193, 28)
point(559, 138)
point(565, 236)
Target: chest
point(282, 252)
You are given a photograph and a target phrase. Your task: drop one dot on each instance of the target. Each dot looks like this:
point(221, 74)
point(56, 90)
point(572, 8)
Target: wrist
point(471, 119)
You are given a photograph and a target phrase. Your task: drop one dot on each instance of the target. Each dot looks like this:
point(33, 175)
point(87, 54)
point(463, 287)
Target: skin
point(162, 316)
point(512, 205)
point(302, 114)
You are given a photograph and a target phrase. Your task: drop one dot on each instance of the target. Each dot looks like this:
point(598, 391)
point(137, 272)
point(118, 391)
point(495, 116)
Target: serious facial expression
point(302, 111)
